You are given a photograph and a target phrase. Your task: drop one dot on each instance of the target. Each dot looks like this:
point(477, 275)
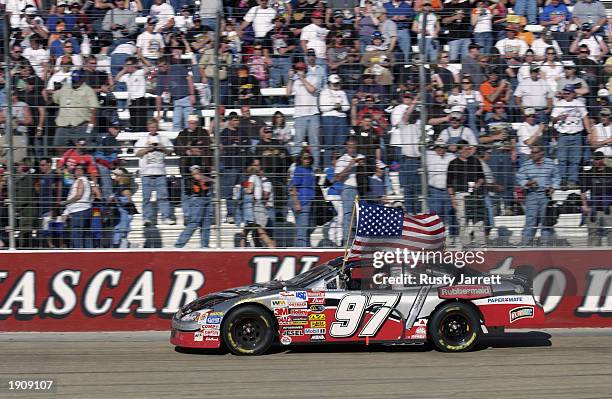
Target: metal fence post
point(216, 127)
point(423, 115)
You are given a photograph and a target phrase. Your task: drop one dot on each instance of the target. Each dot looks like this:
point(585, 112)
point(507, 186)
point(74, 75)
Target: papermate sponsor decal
point(504, 299)
point(523, 312)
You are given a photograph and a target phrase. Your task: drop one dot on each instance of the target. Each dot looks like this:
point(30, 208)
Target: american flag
point(381, 228)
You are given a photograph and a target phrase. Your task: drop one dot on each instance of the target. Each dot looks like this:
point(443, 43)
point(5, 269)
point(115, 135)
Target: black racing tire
point(455, 327)
point(248, 331)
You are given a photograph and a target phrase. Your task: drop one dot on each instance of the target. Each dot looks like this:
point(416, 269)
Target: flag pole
point(348, 237)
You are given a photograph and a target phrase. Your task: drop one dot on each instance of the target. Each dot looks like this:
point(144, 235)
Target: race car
point(351, 302)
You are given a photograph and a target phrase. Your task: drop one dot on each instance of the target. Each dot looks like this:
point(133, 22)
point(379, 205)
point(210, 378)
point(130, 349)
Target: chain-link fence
point(133, 124)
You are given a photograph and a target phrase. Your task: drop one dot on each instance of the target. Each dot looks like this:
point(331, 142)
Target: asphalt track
point(546, 364)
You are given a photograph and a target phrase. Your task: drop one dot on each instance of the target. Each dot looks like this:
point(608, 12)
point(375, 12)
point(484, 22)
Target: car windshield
point(313, 274)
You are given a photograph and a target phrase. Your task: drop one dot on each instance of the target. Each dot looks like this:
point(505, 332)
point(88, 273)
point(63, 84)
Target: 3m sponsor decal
point(278, 303)
point(301, 295)
point(465, 291)
point(316, 294)
point(504, 299)
point(210, 333)
point(281, 312)
point(299, 312)
point(298, 305)
point(317, 337)
point(211, 326)
point(284, 320)
point(318, 324)
point(285, 340)
point(293, 333)
point(523, 312)
point(316, 301)
point(319, 316)
point(313, 331)
point(213, 320)
point(317, 308)
point(198, 336)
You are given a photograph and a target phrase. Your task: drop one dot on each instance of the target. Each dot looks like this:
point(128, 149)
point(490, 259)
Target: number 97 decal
point(351, 310)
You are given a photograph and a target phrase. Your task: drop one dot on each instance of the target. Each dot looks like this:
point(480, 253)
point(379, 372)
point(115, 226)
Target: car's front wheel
point(455, 327)
point(248, 330)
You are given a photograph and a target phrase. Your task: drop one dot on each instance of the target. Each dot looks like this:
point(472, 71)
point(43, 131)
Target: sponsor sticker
point(299, 312)
point(316, 294)
point(287, 294)
point(300, 320)
point(319, 316)
point(213, 320)
point(316, 301)
point(298, 305)
point(278, 303)
point(281, 312)
point(284, 320)
point(523, 312)
point(294, 333)
point(210, 333)
point(198, 336)
point(293, 328)
point(301, 295)
point(285, 340)
point(210, 326)
point(317, 308)
point(212, 339)
point(318, 324)
point(314, 331)
point(465, 291)
point(504, 299)
point(317, 337)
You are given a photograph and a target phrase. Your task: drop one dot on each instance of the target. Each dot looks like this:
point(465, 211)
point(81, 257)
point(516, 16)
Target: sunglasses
point(466, 82)
point(550, 53)
point(584, 52)
point(455, 119)
point(536, 152)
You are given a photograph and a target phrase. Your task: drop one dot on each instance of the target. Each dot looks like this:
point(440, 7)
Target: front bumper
point(193, 339)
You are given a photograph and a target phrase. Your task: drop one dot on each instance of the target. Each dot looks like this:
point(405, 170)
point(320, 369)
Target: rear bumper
point(193, 339)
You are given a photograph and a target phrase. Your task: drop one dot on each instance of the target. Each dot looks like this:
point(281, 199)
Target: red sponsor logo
point(281, 312)
point(316, 294)
point(316, 301)
point(299, 312)
point(284, 320)
point(465, 291)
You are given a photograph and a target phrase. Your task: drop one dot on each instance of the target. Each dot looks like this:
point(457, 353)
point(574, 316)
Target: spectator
point(432, 29)
point(600, 137)
point(481, 19)
point(260, 18)
point(245, 88)
point(77, 156)
point(529, 133)
point(591, 12)
point(334, 104)
point(107, 158)
point(457, 132)
point(208, 13)
point(472, 102)
point(581, 87)
point(306, 116)
point(175, 86)
point(596, 194)
point(388, 30)
point(315, 70)
point(152, 150)
point(208, 66)
point(234, 150)
point(255, 215)
point(443, 77)
point(77, 111)
point(596, 46)
point(456, 19)
point(556, 17)
point(400, 12)
point(346, 170)
point(302, 194)
point(280, 44)
point(149, 43)
point(122, 197)
point(437, 172)
point(164, 13)
point(133, 75)
point(281, 131)
point(539, 177)
point(534, 93)
point(551, 70)
point(511, 46)
point(334, 195)
point(367, 23)
point(541, 44)
point(120, 21)
point(22, 121)
point(494, 89)
point(571, 122)
point(465, 180)
point(78, 208)
point(38, 57)
point(313, 37)
point(48, 188)
point(273, 162)
point(198, 190)
point(250, 126)
point(470, 64)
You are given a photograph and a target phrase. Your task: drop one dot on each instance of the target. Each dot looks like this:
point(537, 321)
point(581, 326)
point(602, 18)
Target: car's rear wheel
point(248, 330)
point(455, 327)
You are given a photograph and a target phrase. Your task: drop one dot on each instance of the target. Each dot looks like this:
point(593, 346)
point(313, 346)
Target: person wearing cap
point(511, 46)
point(438, 199)
point(260, 18)
point(345, 9)
point(591, 12)
point(596, 196)
point(78, 205)
point(472, 102)
point(495, 89)
point(529, 133)
point(457, 131)
point(600, 138)
point(208, 66)
point(535, 93)
point(432, 30)
point(279, 44)
point(314, 69)
point(77, 111)
point(366, 24)
point(107, 157)
point(456, 19)
point(341, 29)
point(556, 17)
point(174, 87)
point(121, 196)
point(334, 106)
point(571, 78)
point(597, 47)
point(234, 152)
point(164, 13)
point(133, 76)
point(313, 36)
point(388, 30)
point(572, 122)
point(400, 12)
point(150, 44)
point(120, 21)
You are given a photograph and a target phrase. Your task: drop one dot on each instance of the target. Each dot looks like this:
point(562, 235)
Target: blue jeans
point(229, 178)
point(117, 62)
point(303, 224)
point(485, 39)
point(458, 48)
point(335, 130)
point(403, 42)
point(106, 182)
point(503, 171)
point(348, 201)
point(160, 185)
point(79, 229)
point(122, 228)
point(535, 203)
point(527, 8)
point(569, 154)
point(411, 183)
point(180, 113)
point(200, 216)
point(307, 126)
point(210, 22)
point(431, 49)
point(280, 71)
point(440, 204)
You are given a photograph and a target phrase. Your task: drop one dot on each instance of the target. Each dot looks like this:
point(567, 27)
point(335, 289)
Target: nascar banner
point(141, 290)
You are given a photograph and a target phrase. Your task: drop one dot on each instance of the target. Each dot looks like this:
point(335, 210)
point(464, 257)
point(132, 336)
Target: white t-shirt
point(151, 44)
point(257, 187)
point(515, 45)
point(315, 39)
point(484, 22)
point(602, 133)
point(305, 102)
point(341, 164)
point(407, 137)
point(164, 13)
point(328, 100)
point(84, 202)
point(261, 19)
point(37, 59)
point(575, 111)
point(430, 26)
point(534, 93)
point(437, 168)
point(551, 74)
point(524, 132)
point(60, 77)
point(77, 62)
point(539, 47)
point(593, 44)
point(465, 98)
point(153, 163)
point(136, 84)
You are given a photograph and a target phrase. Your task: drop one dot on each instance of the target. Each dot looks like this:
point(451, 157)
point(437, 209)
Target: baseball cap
point(380, 164)
point(440, 143)
point(317, 14)
point(598, 155)
point(474, 45)
point(333, 78)
point(78, 75)
point(534, 68)
point(605, 111)
point(377, 35)
point(568, 64)
point(311, 51)
point(267, 129)
point(530, 111)
point(603, 93)
point(338, 14)
point(30, 10)
point(152, 20)
point(233, 116)
point(569, 88)
point(115, 124)
point(585, 26)
point(194, 167)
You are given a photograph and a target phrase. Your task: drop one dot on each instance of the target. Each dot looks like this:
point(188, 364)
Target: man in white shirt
point(432, 30)
point(150, 44)
point(38, 57)
point(570, 119)
point(535, 93)
point(596, 44)
point(334, 105)
point(346, 172)
point(261, 17)
point(528, 134)
point(313, 37)
point(133, 75)
point(600, 138)
point(457, 131)
point(541, 44)
point(164, 14)
point(511, 46)
point(437, 170)
point(152, 150)
point(306, 115)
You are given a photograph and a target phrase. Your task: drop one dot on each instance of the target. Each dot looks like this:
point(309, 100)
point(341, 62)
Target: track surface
point(551, 364)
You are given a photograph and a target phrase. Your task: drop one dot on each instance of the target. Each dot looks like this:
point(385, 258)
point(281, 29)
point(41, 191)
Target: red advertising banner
point(141, 290)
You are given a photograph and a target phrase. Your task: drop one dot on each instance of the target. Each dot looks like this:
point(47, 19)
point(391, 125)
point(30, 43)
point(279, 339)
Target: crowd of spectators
point(516, 97)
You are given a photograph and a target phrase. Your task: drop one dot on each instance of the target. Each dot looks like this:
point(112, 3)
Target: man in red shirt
point(74, 157)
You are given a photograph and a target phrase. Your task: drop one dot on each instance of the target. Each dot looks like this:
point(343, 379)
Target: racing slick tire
point(249, 330)
point(455, 327)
